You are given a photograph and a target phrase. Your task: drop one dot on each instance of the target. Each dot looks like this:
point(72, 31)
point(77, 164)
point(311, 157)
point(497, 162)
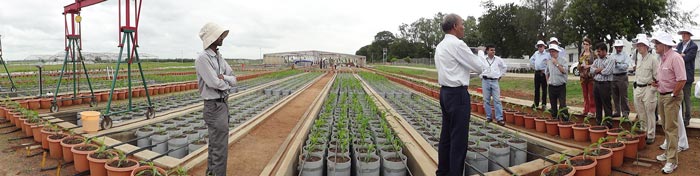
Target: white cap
point(618, 43)
point(685, 31)
point(643, 40)
point(540, 42)
point(211, 32)
point(554, 39)
point(554, 47)
point(663, 38)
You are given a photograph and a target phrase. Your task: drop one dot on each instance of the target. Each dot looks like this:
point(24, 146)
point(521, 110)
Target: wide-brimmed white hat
point(685, 31)
point(554, 39)
point(618, 43)
point(211, 32)
point(663, 38)
point(540, 42)
point(643, 40)
point(554, 47)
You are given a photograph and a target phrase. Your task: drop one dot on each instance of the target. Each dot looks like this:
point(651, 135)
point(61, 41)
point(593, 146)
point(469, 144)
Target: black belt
point(602, 82)
point(640, 85)
point(620, 74)
point(557, 85)
point(460, 87)
point(217, 100)
point(665, 93)
point(489, 78)
point(538, 71)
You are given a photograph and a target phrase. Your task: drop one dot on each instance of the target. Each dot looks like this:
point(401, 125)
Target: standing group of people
point(664, 74)
point(661, 86)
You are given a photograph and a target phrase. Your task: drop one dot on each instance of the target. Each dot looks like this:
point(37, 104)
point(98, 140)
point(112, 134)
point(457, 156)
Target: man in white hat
point(601, 70)
point(538, 60)
point(454, 62)
point(562, 53)
point(670, 80)
point(688, 50)
point(644, 94)
point(620, 80)
point(557, 75)
point(215, 78)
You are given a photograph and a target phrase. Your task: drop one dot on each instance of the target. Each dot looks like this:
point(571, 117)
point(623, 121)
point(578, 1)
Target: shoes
point(616, 115)
point(544, 106)
point(501, 122)
point(661, 157)
point(664, 147)
point(649, 142)
point(489, 120)
point(668, 168)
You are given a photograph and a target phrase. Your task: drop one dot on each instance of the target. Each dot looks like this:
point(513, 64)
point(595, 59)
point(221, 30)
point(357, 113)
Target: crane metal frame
point(73, 46)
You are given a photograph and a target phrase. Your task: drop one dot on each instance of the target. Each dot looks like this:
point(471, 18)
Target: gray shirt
point(554, 75)
point(622, 62)
point(209, 65)
point(607, 73)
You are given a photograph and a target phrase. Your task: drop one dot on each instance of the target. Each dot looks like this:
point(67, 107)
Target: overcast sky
point(169, 28)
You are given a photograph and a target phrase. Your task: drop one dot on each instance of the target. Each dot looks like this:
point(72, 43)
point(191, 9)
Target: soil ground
point(250, 154)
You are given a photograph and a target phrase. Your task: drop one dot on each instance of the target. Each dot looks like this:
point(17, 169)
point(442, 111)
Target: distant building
point(314, 57)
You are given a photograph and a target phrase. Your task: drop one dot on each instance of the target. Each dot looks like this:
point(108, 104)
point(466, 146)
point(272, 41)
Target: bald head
point(453, 24)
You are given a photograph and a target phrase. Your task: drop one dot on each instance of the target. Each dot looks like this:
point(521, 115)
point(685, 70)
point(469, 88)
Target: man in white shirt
point(454, 62)
point(215, 78)
point(495, 69)
point(538, 61)
point(620, 80)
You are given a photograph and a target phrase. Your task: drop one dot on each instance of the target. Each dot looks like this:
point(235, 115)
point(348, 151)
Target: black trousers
point(557, 96)
point(601, 94)
point(540, 83)
point(452, 149)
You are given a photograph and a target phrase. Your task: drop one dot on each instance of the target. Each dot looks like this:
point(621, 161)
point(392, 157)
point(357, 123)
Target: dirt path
point(250, 154)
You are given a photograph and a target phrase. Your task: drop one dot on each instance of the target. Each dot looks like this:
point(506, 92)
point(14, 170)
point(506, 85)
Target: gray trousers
point(686, 104)
point(619, 95)
point(216, 117)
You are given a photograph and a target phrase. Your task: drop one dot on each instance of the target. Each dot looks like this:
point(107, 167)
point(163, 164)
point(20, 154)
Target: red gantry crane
point(129, 15)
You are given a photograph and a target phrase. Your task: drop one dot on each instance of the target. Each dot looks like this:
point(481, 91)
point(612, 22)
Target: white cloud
point(169, 28)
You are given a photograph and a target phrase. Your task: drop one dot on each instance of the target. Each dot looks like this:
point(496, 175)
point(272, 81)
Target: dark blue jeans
point(452, 149)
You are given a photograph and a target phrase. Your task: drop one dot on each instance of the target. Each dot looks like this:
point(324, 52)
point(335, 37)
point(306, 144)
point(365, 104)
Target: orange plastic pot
point(618, 153)
point(34, 104)
point(55, 149)
point(597, 132)
point(604, 166)
point(120, 171)
point(565, 130)
point(540, 126)
point(80, 157)
point(66, 148)
point(97, 166)
point(519, 119)
point(552, 128)
point(584, 170)
point(580, 132)
point(529, 122)
point(546, 170)
point(631, 149)
point(142, 168)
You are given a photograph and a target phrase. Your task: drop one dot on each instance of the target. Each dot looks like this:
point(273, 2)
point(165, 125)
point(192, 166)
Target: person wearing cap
point(562, 53)
point(538, 60)
point(670, 80)
point(556, 79)
point(644, 94)
point(602, 70)
point(215, 78)
point(454, 62)
point(494, 71)
point(584, 63)
point(688, 50)
point(620, 80)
